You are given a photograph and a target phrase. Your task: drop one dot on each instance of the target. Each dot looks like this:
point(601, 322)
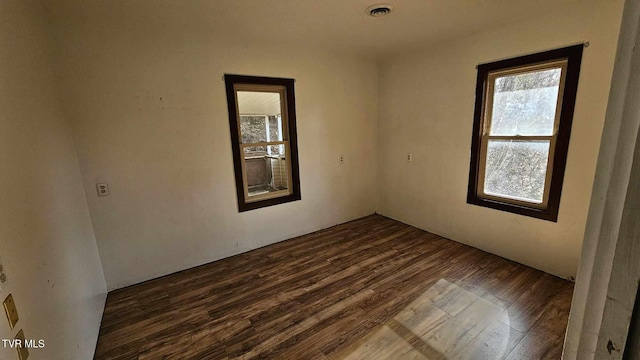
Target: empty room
point(335, 179)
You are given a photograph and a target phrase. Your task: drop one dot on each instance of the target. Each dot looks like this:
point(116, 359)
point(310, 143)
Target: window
point(522, 123)
point(262, 120)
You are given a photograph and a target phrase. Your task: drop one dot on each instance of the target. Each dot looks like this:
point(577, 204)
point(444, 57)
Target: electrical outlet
point(409, 157)
point(103, 189)
point(341, 159)
point(23, 352)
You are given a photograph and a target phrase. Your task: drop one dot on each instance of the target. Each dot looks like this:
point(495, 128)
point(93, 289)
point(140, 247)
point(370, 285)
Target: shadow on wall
point(632, 349)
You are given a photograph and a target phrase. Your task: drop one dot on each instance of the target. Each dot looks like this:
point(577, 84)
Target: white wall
point(47, 245)
point(146, 98)
point(426, 103)
point(609, 196)
point(150, 117)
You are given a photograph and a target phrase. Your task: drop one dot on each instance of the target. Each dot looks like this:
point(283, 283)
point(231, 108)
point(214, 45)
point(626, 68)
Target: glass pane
point(525, 104)
point(276, 128)
point(251, 151)
point(265, 172)
point(252, 129)
point(276, 150)
point(516, 169)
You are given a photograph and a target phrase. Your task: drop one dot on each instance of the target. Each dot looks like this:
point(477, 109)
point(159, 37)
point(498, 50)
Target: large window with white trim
point(523, 115)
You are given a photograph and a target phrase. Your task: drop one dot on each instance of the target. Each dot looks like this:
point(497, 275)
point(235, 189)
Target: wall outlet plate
point(23, 352)
point(103, 189)
point(11, 311)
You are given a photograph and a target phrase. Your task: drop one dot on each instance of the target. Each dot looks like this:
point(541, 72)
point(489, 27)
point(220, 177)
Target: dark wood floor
point(372, 288)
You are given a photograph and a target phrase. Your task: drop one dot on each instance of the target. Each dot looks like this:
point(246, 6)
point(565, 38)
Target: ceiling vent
point(379, 10)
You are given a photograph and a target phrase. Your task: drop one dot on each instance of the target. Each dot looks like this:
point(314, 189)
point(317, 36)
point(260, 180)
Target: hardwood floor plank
point(385, 343)
point(163, 320)
point(493, 343)
point(304, 325)
point(448, 297)
point(450, 337)
point(544, 340)
point(524, 313)
point(372, 288)
point(123, 351)
point(339, 327)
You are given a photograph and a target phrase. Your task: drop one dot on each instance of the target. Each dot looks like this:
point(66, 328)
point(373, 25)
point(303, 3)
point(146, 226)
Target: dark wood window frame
point(573, 57)
point(231, 82)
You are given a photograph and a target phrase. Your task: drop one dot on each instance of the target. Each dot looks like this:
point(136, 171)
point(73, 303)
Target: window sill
point(246, 206)
point(549, 214)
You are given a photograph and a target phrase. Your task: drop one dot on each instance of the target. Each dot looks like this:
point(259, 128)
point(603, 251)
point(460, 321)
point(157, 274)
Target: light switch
point(11, 311)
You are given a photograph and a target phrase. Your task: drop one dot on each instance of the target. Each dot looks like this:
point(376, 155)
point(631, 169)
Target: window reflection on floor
point(445, 322)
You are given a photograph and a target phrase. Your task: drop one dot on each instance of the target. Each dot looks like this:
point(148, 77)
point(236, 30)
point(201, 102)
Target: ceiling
point(342, 25)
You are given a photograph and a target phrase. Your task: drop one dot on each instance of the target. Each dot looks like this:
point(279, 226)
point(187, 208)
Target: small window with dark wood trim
point(522, 123)
point(262, 120)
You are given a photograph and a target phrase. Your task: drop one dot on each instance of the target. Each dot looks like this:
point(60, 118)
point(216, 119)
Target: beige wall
point(146, 101)
point(611, 192)
point(150, 116)
point(47, 245)
point(426, 105)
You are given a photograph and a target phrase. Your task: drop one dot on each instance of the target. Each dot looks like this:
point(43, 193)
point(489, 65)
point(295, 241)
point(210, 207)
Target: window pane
point(525, 104)
point(252, 129)
point(276, 150)
point(276, 128)
point(251, 151)
point(265, 173)
point(516, 169)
